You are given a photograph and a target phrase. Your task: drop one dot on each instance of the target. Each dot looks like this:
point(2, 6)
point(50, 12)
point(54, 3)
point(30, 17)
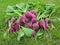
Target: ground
point(26, 41)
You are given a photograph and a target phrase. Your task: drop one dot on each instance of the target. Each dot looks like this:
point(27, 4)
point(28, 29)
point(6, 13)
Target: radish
point(13, 19)
point(6, 21)
point(17, 27)
point(33, 20)
point(23, 19)
point(34, 33)
point(46, 23)
point(33, 12)
point(35, 26)
point(11, 29)
point(42, 24)
point(29, 15)
point(28, 25)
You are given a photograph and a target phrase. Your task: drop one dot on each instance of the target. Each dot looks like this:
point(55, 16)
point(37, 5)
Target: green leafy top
point(44, 10)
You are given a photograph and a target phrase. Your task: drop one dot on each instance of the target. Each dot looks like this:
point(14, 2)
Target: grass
point(27, 41)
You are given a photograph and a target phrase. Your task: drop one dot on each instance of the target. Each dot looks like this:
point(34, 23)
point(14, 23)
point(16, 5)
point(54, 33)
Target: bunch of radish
point(29, 20)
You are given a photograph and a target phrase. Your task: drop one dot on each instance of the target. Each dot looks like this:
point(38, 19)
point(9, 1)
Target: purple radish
point(42, 24)
point(6, 21)
point(13, 19)
point(29, 15)
point(35, 26)
point(28, 25)
point(18, 21)
point(33, 20)
point(11, 29)
point(46, 23)
point(33, 12)
point(23, 19)
point(34, 33)
point(17, 27)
